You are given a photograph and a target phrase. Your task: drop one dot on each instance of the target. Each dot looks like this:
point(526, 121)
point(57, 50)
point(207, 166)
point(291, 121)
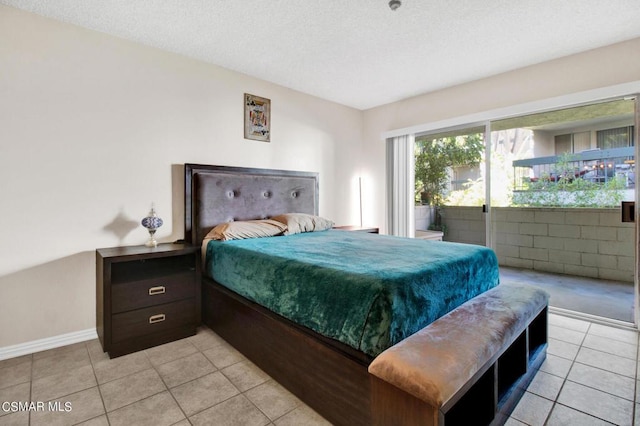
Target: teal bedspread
point(365, 290)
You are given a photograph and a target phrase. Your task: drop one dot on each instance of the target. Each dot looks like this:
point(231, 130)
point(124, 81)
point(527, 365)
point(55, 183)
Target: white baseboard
point(47, 343)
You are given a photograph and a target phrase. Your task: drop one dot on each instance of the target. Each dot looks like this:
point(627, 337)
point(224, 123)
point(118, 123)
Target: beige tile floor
point(200, 380)
point(589, 378)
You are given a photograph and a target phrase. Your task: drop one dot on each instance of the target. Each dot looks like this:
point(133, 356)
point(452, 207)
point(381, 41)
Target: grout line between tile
point(216, 371)
point(586, 414)
point(135, 402)
point(104, 407)
point(258, 408)
point(565, 379)
point(600, 390)
point(214, 405)
point(169, 389)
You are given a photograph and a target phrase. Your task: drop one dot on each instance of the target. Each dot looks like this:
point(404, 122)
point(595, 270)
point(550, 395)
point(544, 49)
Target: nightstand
point(357, 228)
point(146, 296)
point(429, 235)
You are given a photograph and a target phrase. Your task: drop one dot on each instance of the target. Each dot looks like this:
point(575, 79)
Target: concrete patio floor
point(602, 298)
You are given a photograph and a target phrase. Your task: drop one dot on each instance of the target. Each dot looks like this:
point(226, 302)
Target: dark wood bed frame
point(328, 376)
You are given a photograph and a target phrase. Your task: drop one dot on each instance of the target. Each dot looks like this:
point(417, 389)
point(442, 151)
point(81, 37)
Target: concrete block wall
point(583, 242)
point(464, 224)
point(423, 217)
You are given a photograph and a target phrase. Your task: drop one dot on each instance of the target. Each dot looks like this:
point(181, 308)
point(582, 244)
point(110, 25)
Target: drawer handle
point(156, 290)
point(156, 318)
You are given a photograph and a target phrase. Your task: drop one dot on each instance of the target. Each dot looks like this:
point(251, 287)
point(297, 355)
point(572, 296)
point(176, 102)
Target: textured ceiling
point(358, 52)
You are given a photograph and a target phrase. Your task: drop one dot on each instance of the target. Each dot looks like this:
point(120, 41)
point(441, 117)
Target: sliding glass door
point(556, 219)
point(544, 191)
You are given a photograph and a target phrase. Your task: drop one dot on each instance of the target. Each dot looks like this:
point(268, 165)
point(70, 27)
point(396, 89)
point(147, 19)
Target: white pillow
point(302, 222)
point(246, 229)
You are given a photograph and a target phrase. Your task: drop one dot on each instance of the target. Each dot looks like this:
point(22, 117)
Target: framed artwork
point(257, 118)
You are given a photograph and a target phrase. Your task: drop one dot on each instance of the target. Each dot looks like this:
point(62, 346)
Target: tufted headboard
point(217, 194)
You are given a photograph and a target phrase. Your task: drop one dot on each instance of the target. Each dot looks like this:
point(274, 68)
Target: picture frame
point(257, 118)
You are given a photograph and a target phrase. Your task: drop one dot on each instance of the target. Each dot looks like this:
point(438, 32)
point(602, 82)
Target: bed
point(328, 372)
point(365, 290)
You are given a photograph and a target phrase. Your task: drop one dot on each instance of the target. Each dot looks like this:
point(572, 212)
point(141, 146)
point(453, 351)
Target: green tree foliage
point(434, 158)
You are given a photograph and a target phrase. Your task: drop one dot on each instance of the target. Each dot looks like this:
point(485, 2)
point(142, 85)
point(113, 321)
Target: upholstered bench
point(469, 367)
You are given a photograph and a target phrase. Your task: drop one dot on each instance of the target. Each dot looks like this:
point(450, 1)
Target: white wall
point(545, 143)
point(94, 128)
point(594, 69)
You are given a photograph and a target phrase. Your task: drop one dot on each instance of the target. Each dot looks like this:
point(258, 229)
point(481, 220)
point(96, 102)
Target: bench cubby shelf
point(470, 366)
point(492, 398)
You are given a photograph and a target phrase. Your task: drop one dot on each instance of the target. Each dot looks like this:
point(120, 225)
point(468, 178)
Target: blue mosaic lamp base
point(152, 222)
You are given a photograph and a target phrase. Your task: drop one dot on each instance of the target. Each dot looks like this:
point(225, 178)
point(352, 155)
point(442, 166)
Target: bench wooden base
point(428, 380)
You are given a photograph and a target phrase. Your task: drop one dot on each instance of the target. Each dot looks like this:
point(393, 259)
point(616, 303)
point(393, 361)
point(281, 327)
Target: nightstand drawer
point(155, 319)
point(146, 296)
point(151, 292)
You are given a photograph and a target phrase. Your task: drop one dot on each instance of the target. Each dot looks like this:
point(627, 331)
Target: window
point(619, 137)
point(563, 144)
point(572, 142)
